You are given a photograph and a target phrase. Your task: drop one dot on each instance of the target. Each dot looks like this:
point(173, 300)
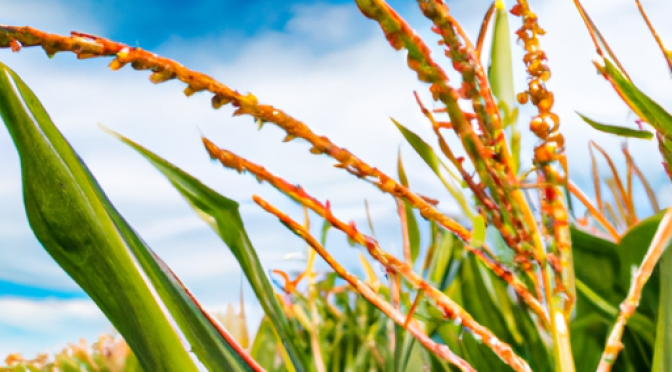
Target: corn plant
point(516, 284)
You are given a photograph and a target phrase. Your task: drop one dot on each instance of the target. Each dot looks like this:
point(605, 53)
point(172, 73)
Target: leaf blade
point(59, 196)
point(411, 221)
point(617, 130)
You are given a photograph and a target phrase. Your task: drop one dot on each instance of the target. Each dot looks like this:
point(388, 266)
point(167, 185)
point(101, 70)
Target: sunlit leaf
point(631, 251)
point(323, 234)
point(646, 108)
point(82, 231)
point(620, 131)
point(411, 222)
point(229, 226)
point(500, 71)
point(264, 346)
point(442, 256)
point(427, 154)
point(603, 272)
point(477, 232)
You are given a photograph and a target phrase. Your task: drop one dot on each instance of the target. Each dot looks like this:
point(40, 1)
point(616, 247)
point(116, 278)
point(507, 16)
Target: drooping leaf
point(229, 225)
point(81, 230)
point(617, 130)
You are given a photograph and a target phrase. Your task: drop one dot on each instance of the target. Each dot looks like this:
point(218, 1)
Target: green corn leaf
point(445, 250)
point(601, 291)
point(477, 232)
point(264, 346)
point(617, 130)
point(420, 146)
point(75, 222)
point(515, 148)
point(227, 222)
point(323, 232)
point(656, 296)
point(662, 358)
point(430, 158)
point(411, 222)
point(646, 108)
point(404, 342)
point(500, 71)
point(427, 154)
point(643, 325)
point(401, 171)
point(631, 251)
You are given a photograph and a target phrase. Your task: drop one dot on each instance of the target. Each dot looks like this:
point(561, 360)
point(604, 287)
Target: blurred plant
point(109, 354)
point(500, 294)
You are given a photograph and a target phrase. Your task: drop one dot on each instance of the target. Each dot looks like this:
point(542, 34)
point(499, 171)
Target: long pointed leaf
point(71, 220)
point(229, 225)
point(429, 157)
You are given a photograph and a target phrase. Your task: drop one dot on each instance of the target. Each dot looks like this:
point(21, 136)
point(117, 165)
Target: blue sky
point(322, 62)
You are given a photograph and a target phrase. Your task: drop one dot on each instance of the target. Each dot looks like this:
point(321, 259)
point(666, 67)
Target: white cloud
point(30, 326)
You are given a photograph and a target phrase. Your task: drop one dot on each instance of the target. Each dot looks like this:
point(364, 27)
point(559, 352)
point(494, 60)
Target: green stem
point(662, 358)
point(562, 350)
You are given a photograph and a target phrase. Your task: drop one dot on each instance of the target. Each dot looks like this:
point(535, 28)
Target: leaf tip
point(110, 131)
